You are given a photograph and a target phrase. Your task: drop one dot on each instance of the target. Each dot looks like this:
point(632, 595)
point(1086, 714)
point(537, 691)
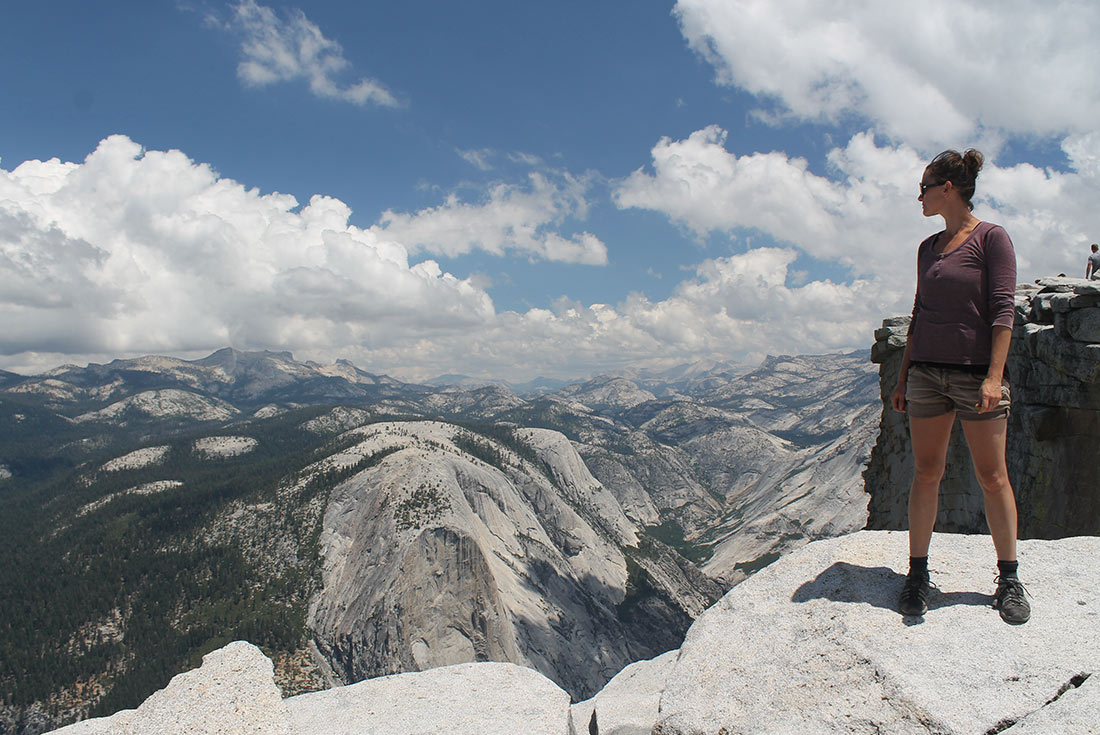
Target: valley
point(353, 525)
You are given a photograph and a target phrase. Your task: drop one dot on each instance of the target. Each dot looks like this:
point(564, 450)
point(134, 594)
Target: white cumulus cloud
point(931, 73)
point(512, 219)
point(138, 251)
point(275, 49)
point(735, 307)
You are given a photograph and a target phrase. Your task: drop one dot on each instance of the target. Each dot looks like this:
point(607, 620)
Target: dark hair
point(961, 169)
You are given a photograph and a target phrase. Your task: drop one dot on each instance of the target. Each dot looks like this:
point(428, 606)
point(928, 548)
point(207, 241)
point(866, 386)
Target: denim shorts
point(935, 391)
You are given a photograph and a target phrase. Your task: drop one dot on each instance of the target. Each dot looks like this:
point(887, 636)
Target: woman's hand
point(898, 399)
point(989, 395)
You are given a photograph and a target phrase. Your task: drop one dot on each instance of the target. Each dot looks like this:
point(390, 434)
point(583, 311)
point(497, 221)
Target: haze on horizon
point(508, 191)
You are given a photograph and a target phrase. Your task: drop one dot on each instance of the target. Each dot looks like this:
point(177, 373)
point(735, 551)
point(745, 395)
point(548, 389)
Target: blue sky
point(508, 189)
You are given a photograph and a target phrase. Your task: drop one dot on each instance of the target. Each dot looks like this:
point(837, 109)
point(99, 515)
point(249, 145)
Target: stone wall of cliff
point(1054, 427)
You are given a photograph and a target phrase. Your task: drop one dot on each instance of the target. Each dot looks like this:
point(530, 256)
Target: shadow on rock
point(878, 586)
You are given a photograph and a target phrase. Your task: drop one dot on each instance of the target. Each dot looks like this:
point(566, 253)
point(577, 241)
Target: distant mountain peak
point(232, 356)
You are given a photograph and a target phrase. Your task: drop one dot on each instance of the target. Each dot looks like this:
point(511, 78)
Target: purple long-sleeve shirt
point(961, 296)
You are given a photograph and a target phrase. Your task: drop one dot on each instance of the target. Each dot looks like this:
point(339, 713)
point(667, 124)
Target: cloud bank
point(134, 252)
point(138, 251)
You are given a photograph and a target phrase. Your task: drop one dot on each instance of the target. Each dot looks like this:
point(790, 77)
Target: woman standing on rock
point(954, 365)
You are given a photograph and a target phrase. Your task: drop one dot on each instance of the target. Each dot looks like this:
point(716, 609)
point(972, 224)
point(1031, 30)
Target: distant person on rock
point(1092, 269)
point(954, 365)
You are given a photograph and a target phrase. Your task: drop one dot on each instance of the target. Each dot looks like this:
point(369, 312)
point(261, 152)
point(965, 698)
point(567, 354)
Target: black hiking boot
point(1011, 600)
point(914, 595)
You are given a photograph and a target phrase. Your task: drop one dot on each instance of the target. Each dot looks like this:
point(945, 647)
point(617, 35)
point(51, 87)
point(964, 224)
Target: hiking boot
point(914, 595)
point(1011, 600)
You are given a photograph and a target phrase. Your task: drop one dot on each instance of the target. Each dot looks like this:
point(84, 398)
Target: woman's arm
point(1001, 264)
point(990, 393)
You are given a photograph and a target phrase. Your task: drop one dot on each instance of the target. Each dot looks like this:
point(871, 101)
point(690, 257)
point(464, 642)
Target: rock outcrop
point(630, 703)
point(811, 644)
point(456, 548)
point(1054, 431)
point(1054, 426)
point(464, 699)
point(232, 692)
point(162, 404)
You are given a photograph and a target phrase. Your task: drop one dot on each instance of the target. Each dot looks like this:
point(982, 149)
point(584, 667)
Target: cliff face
point(1054, 434)
point(1054, 426)
point(435, 557)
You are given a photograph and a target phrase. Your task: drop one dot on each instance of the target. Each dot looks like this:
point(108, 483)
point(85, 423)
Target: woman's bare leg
point(986, 440)
point(930, 439)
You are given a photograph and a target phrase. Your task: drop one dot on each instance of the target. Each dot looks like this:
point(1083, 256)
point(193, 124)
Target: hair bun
point(973, 160)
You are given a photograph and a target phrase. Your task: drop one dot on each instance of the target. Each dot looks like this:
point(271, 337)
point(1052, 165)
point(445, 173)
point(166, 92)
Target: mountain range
point(355, 525)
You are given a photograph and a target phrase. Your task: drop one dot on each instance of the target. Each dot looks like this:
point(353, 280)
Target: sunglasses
point(925, 187)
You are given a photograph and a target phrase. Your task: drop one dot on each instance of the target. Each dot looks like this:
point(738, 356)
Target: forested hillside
point(118, 596)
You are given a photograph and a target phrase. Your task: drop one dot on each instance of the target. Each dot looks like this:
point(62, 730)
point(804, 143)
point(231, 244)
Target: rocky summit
point(811, 644)
point(814, 644)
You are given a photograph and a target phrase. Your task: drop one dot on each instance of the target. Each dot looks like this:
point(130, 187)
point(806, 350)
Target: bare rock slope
point(457, 548)
point(814, 644)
